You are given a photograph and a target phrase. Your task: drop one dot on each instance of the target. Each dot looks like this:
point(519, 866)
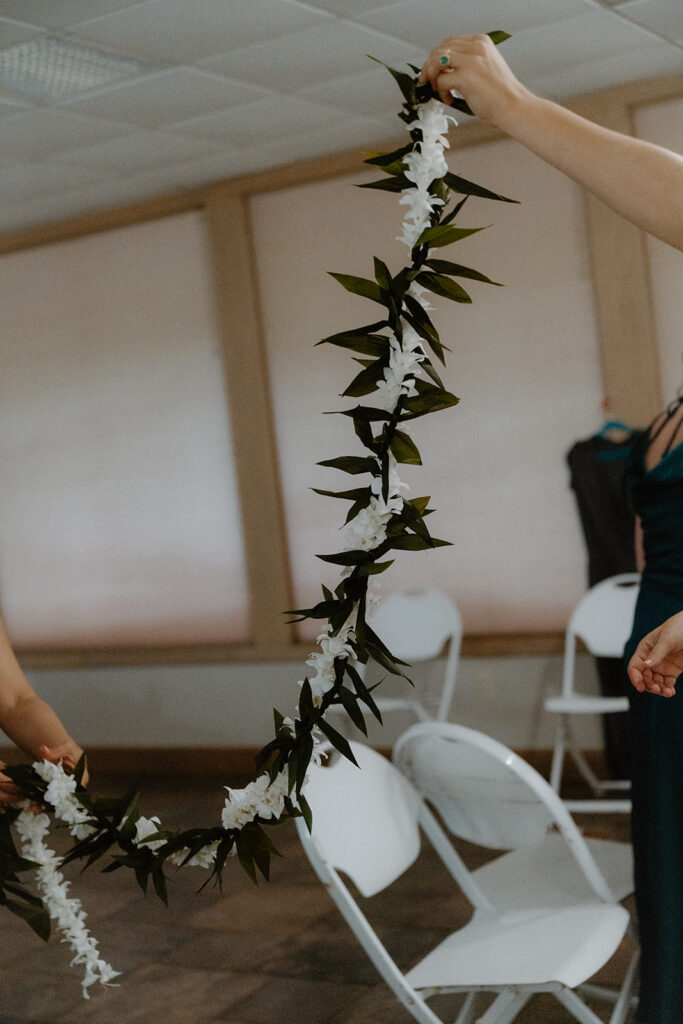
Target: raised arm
point(28, 721)
point(641, 181)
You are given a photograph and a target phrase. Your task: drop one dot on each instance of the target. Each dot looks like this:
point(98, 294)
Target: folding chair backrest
point(416, 622)
point(475, 784)
point(603, 618)
point(364, 821)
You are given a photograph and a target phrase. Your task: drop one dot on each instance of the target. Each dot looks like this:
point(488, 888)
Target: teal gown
point(657, 744)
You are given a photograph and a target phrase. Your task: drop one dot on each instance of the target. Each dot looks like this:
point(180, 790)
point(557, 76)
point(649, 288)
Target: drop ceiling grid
point(239, 85)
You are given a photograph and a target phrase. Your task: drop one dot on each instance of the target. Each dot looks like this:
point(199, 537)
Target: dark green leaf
point(338, 741)
point(35, 917)
point(306, 708)
point(406, 83)
point(374, 568)
point(356, 494)
point(364, 412)
point(404, 450)
point(468, 188)
point(345, 557)
point(386, 159)
point(456, 270)
point(303, 759)
point(411, 542)
point(418, 318)
point(396, 183)
point(366, 344)
point(353, 464)
point(434, 401)
point(363, 691)
point(306, 811)
point(159, 881)
point(350, 704)
point(360, 286)
point(450, 217)
point(442, 285)
point(366, 381)
point(443, 235)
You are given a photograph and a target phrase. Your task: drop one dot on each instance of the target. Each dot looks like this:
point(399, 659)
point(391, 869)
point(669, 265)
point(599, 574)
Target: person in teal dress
point(657, 724)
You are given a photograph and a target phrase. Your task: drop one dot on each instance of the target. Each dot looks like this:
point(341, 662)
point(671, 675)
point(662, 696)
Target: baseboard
point(237, 762)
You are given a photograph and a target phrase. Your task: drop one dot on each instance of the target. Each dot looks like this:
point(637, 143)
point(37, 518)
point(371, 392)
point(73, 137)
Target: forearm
point(31, 724)
point(642, 182)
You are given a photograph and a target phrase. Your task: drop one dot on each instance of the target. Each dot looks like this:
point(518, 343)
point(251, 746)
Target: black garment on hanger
point(598, 469)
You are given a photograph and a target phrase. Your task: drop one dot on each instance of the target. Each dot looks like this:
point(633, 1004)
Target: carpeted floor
point(276, 954)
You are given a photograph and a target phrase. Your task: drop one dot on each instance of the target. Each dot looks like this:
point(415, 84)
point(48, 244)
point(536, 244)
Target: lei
point(396, 355)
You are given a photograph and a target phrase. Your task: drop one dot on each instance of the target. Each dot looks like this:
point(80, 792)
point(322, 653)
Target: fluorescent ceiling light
point(49, 69)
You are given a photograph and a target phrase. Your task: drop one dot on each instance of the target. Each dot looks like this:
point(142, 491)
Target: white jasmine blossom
point(331, 647)
point(145, 828)
point(261, 798)
point(203, 859)
point(66, 911)
point(422, 166)
point(60, 793)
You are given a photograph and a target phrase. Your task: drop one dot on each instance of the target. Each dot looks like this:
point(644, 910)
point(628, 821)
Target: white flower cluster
point(422, 166)
point(261, 798)
point(404, 365)
point(67, 911)
point(331, 647)
point(60, 793)
point(368, 529)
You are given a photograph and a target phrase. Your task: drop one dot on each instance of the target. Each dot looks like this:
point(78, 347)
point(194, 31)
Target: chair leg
point(623, 1003)
point(558, 755)
point(577, 1007)
point(467, 1009)
point(504, 1007)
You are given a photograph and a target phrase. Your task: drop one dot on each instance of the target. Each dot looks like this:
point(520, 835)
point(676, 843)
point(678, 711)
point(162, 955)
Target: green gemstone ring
point(444, 59)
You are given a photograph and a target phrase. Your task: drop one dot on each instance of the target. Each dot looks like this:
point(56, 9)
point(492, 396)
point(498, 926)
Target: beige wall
point(523, 403)
point(524, 362)
point(119, 519)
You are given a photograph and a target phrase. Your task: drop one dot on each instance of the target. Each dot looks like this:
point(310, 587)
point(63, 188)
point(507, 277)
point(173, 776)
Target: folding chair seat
point(366, 825)
point(602, 619)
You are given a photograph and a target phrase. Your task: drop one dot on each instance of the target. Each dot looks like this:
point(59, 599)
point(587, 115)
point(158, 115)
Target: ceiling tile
point(178, 30)
point(330, 51)
point(58, 13)
point(597, 35)
point(351, 8)
point(649, 61)
point(29, 181)
point(13, 33)
point(254, 123)
point(12, 105)
point(173, 95)
point(37, 133)
point(427, 22)
point(665, 17)
point(138, 152)
point(371, 94)
point(335, 137)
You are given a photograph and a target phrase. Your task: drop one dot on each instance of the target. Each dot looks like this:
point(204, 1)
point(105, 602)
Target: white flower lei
point(271, 793)
point(65, 910)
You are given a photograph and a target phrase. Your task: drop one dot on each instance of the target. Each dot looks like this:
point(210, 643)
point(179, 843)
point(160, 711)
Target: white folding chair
point(366, 824)
point(602, 619)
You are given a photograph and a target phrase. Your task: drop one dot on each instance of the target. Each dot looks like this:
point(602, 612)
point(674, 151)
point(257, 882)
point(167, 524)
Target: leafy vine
point(397, 355)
